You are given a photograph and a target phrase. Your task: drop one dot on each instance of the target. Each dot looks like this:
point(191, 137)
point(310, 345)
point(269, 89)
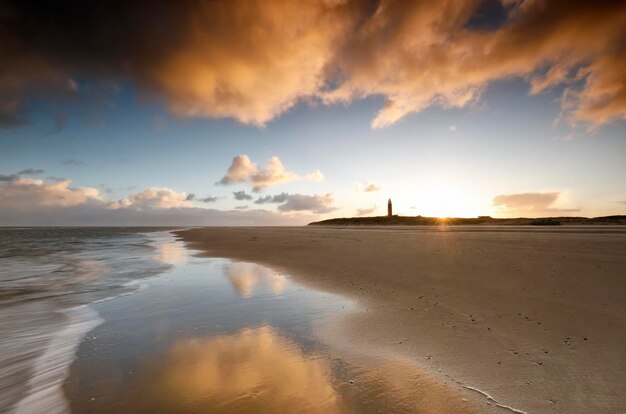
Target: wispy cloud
point(530, 204)
point(366, 211)
point(31, 171)
point(367, 187)
point(27, 171)
point(73, 162)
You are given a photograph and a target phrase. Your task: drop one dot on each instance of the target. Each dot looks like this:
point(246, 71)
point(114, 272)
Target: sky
point(251, 112)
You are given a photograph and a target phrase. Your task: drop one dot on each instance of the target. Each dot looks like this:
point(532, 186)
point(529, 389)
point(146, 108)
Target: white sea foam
point(490, 398)
point(44, 274)
point(45, 387)
point(141, 285)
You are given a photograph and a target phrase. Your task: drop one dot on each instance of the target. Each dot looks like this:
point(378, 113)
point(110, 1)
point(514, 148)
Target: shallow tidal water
point(209, 334)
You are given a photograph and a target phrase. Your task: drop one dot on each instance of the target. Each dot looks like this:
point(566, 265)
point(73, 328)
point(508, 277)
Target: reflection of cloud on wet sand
point(257, 370)
point(246, 276)
point(277, 283)
point(172, 253)
point(254, 370)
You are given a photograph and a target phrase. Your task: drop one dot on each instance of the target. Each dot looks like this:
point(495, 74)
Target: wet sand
point(534, 317)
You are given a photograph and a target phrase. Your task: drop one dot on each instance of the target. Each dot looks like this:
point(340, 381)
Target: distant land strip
point(457, 221)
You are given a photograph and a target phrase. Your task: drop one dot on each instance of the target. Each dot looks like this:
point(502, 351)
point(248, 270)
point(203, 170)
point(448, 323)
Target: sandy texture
point(535, 317)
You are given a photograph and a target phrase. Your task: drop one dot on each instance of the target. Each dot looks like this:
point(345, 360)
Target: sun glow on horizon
point(441, 199)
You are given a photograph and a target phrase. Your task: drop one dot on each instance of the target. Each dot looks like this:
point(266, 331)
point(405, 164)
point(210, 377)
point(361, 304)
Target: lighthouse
point(389, 209)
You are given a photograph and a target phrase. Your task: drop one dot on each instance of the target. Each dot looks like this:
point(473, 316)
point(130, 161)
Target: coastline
point(536, 324)
point(44, 326)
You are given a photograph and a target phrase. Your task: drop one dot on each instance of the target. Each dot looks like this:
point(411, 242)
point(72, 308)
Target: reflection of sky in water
point(255, 369)
point(171, 253)
point(209, 332)
point(245, 277)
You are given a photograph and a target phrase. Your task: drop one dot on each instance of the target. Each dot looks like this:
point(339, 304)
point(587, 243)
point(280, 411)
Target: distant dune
point(456, 221)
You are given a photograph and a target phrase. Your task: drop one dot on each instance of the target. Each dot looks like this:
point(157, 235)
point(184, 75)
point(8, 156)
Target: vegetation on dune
point(456, 221)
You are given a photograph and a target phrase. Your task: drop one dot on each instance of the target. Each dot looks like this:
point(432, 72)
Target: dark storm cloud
point(252, 60)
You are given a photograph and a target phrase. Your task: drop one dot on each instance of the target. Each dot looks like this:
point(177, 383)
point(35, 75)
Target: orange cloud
point(239, 170)
point(21, 192)
point(252, 60)
point(274, 173)
point(242, 169)
point(154, 198)
point(256, 367)
point(420, 54)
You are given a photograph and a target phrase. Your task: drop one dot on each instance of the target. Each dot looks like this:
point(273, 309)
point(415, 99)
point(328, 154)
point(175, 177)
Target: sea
point(47, 277)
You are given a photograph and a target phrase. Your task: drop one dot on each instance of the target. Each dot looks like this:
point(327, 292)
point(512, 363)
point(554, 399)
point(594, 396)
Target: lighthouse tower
point(389, 209)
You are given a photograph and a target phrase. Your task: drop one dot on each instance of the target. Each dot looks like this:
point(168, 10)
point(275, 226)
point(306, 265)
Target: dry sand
point(535, 317)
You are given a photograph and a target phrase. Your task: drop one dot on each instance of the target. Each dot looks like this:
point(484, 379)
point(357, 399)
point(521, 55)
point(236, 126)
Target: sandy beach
point(534, 317)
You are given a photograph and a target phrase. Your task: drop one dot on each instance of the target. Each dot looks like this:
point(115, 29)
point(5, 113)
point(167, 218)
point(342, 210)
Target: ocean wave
point(45, 387)
point(47, 280)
